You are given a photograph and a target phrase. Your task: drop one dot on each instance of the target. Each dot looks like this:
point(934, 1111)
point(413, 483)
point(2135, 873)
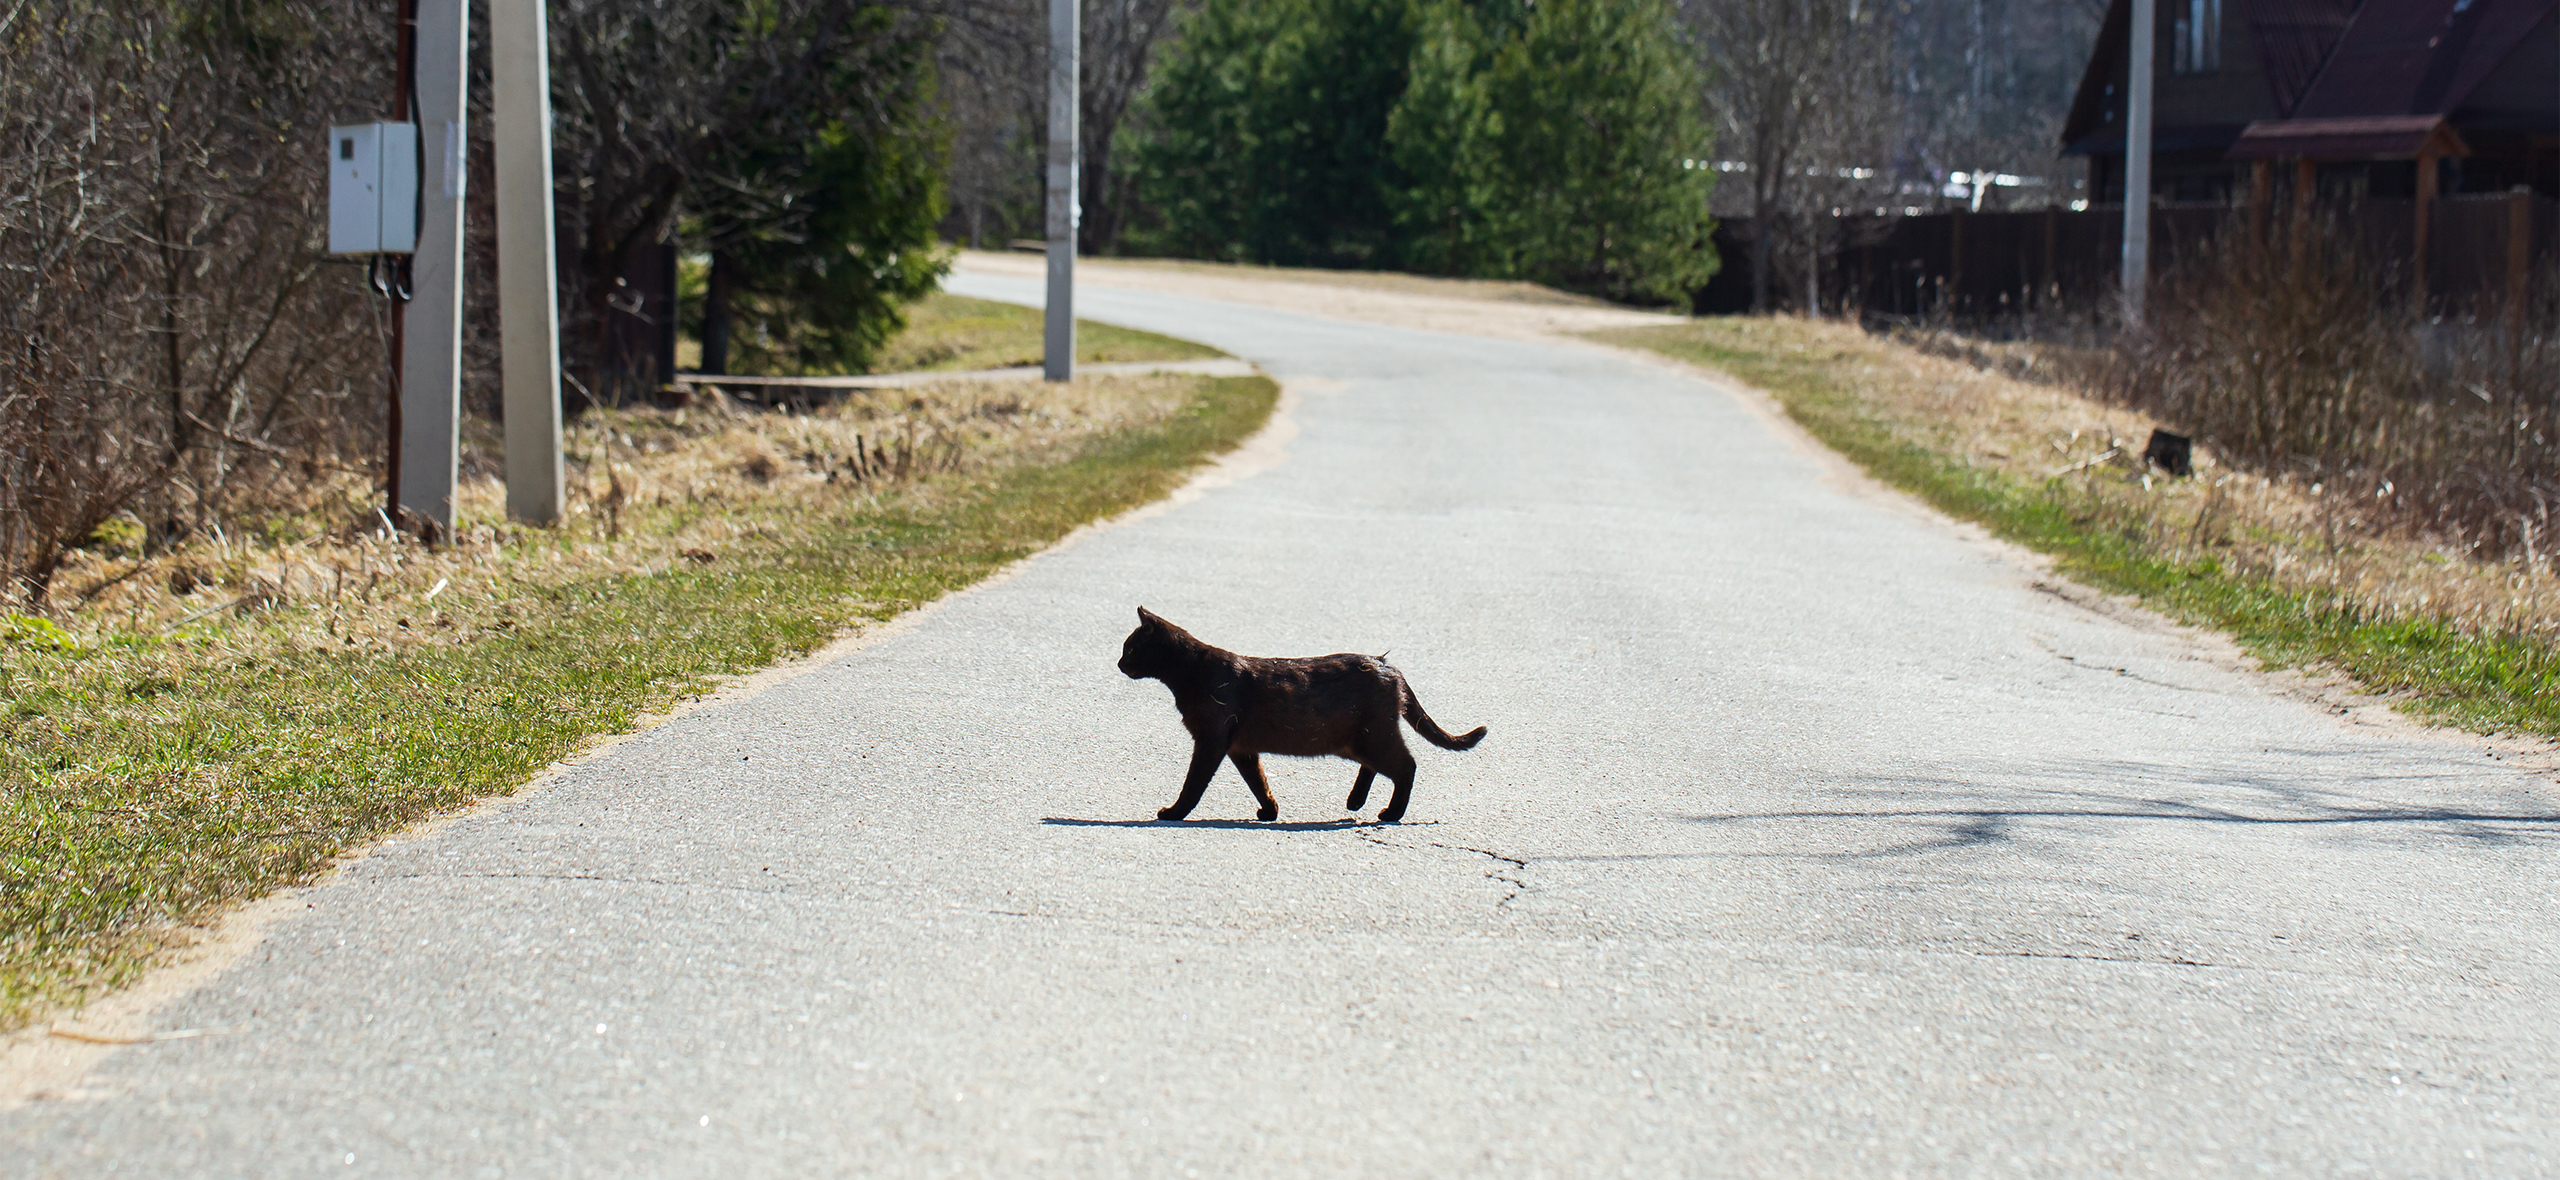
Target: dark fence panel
point(2483, 249)
point(1729, 292)
point(1987, 265)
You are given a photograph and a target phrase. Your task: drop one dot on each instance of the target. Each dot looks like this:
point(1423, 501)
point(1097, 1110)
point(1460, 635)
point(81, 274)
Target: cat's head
point(1149, 650)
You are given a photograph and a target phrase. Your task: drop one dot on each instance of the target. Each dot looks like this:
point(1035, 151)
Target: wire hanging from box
point(388, 276)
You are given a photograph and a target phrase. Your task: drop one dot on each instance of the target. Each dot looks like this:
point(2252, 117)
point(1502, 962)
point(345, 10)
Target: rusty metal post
point(2426, 215)
point(405, 47)
point(1955, 262)
point(2519, 254)
point(2262, 193)
point(2050, 291)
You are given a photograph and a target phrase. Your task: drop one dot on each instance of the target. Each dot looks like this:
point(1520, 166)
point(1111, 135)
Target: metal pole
point(1059, 356)
point(431, 344)
point(528, 284)
point(404, 52)
point(2137, 159)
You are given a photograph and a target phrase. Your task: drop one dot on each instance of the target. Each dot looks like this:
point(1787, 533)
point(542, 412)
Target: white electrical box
point(373, 189)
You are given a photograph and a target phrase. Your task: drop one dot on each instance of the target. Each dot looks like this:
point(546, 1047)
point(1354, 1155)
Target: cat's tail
point(1424, 725)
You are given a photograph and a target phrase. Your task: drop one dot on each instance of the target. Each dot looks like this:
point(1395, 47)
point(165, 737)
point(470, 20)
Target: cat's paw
point(1356, 802)
point(1267, 814)
point(1391, 815)
point(1173, 814)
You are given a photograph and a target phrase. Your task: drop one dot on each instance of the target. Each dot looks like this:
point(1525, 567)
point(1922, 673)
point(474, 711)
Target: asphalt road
point(1811, 839)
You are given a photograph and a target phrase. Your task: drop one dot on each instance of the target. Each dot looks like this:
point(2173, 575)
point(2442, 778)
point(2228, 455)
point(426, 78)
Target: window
point(2196, 39)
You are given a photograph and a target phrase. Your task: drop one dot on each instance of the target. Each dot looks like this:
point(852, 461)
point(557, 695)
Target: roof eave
point(2396, 138)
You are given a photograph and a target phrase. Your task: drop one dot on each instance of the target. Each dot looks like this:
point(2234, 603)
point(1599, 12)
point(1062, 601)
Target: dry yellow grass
point(2301, 536)
point(648, 489)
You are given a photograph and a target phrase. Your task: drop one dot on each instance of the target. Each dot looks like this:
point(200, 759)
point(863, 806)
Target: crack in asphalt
point(1518, 865)
point(2122, 959)
point(2127, 673)
point(2115, 669)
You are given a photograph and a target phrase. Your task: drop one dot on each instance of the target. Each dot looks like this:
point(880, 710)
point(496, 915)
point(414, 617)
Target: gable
point(2191, 110)
point(2492, 64)
point(2521, 92)
point(2294, 39)
point(2419, 57)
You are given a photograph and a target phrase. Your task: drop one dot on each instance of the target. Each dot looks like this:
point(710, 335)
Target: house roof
point(2089, 106)
point(2337, 59)
point(2294, 39)
point(2417, 57)
point(2388, 137)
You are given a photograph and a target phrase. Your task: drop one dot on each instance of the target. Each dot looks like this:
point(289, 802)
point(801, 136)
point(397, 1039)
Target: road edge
point(2330, 692)
point(49, 1060)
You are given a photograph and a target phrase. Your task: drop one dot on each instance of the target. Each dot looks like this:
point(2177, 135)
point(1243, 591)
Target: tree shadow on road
point(2271, 807)
point(2050, 803)
point(1967, 827)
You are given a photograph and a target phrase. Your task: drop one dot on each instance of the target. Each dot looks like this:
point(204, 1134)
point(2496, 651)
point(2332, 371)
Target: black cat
point(1241, 707)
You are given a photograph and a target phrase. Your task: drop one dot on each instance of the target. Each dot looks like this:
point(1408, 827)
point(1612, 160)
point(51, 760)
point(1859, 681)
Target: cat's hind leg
point(1360, 789)
point(1401, 774)
point(1250, 766)
point(1385, 751)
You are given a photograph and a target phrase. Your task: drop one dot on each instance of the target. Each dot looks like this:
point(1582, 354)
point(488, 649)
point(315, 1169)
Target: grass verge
point(159, 762)
point(2218, 551)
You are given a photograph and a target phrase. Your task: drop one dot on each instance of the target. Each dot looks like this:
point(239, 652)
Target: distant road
point(1812, 838)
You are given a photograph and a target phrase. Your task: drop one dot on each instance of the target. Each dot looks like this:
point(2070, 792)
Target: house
point(2394, 99)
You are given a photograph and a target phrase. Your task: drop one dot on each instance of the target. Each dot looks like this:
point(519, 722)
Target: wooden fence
point(2482, 253)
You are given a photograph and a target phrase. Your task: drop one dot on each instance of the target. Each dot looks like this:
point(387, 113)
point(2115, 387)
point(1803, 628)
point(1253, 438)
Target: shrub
point(2301, 355)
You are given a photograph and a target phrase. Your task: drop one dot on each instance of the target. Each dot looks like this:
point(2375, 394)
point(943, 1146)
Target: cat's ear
point(1149, 617)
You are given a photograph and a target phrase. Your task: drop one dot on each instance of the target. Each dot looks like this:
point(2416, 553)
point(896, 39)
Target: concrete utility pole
point(2137, 158)
point(1059, 357)
point(396, 286)
point(528, 282)
point(431, 337)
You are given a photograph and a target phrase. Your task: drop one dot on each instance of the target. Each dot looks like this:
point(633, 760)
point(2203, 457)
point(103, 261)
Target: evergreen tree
point(1270, 140)
point(1553, 140)
point(1195, 169)
point(818, 239)
point(824, 297)
point(1597, 150)
point(1439, 140)
point(739, 121)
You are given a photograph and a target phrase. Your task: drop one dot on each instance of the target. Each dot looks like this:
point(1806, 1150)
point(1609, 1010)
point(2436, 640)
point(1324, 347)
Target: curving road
point(1812, 838)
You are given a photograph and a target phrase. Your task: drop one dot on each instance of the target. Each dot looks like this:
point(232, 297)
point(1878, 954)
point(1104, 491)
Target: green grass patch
point(147, 781)
point(2490, 683)
point(951, 333)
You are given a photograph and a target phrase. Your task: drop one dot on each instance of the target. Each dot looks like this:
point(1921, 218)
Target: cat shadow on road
point(1313, 825)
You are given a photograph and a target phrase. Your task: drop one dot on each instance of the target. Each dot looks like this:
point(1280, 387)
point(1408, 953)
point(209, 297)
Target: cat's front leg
point(1360, 790)
point(1205, 756)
